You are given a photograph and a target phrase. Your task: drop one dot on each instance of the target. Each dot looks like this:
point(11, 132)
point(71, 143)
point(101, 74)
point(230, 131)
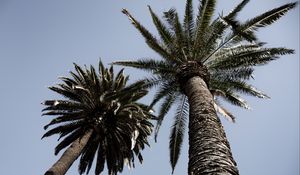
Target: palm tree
point(99, 115)
point(204, 60)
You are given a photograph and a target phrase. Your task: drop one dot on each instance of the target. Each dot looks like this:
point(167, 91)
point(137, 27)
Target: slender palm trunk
point(69, 156)
point(209, 150)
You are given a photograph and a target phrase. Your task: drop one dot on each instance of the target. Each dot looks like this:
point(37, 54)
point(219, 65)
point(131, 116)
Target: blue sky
point(39, 41)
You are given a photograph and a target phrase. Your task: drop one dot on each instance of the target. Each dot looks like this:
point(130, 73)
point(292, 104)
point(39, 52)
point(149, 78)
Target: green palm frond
point(233, 14)
point(103, 103)
point(169, 16)
point(166, 104)
point(147, 64)
point(267, 18)
point(214, 33)
point(242, 87)
point(206, 11)
point(233, 50)
point(165, 34)
point(178, 130)
point(244, 73)
point(243, 58)
point(235, 99)
point(189, 23)
point(180, 42)
point(150, 39)
point(164, 89)
point(153, 81)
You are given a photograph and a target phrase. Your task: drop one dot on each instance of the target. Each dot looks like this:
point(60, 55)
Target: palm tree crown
point(103, 104)
point(222, 51)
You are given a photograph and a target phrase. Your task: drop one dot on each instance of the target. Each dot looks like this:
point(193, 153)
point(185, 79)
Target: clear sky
point(39, 41)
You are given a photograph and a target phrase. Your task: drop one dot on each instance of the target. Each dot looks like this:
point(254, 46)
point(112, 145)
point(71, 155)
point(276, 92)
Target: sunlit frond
point(224, 112)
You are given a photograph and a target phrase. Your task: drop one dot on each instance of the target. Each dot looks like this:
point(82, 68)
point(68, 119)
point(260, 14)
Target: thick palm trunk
point(209, 150)
point(69, 156)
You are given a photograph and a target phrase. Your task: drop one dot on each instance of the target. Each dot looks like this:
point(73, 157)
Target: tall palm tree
point(203, 60)
point(98, 115)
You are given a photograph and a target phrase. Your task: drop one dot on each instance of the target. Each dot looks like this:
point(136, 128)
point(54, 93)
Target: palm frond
point(244, 58)
point(68, 81)
point(232, 15)
point(178, 130)
point(147, 65)
point(243, 87)
point(88, 155)
point(164, 109)
point(163, 31)
point(65, 118)
point(206, 11)
point(237, 35)
point(62, 129)
point(120, 80)
point(169, 16)
point(189, 23)
point(244, 73)
point(128, 93)
point(63, 105)
point(150, 39)
point(213, 34)
point(164, 89)
point(268, 17)
point(101, 69)
point(235, 100)
point(66, 93)
point(179, 53)
point(100, 159)
point(68, 140)
point(82, 74)
point(224, 112)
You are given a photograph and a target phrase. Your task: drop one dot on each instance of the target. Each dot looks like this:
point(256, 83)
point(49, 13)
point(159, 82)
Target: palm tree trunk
point(209, 150)
point(69, 156)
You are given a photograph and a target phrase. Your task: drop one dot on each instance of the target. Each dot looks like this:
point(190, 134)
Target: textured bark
point(69, 156)
point(209, 150)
